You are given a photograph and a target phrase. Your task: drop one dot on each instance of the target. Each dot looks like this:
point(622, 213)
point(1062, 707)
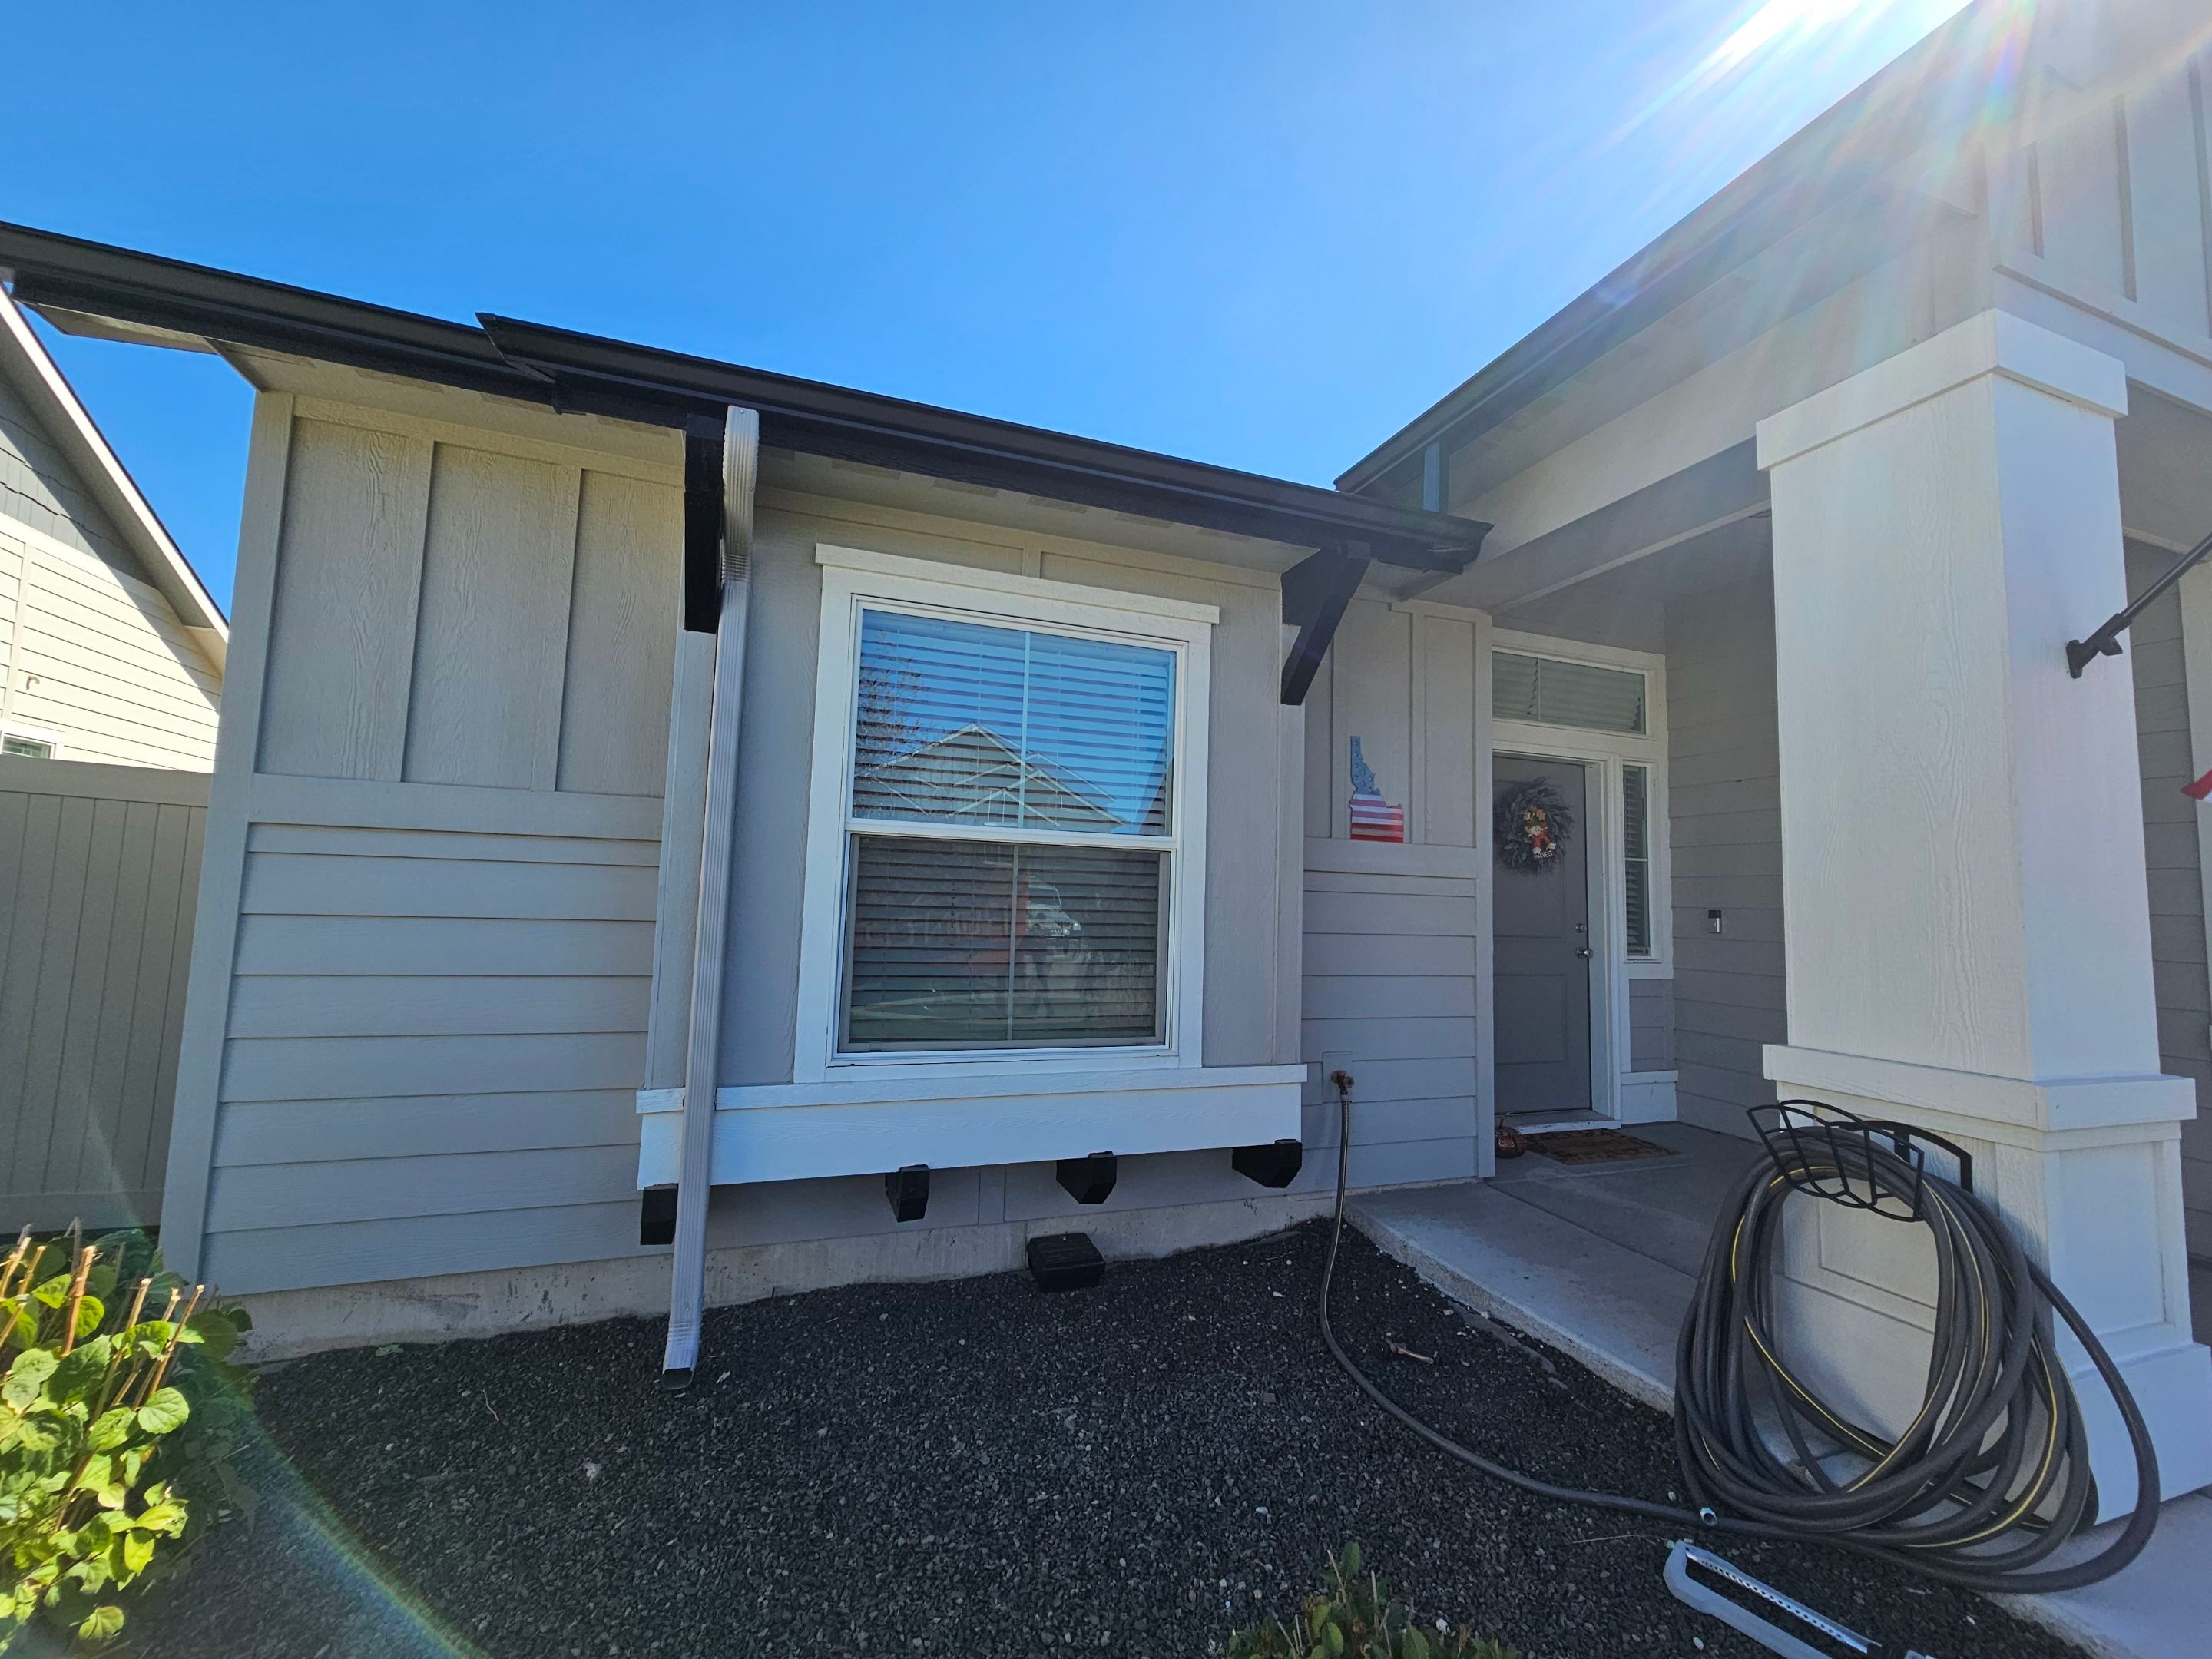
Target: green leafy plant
point(117, 1423)
point(1354, 1618)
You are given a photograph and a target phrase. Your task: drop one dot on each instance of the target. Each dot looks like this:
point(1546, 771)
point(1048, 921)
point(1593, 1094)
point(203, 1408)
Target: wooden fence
point(99, 876)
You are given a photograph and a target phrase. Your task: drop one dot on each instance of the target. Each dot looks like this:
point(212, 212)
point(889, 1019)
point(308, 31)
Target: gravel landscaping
point(970, 1469)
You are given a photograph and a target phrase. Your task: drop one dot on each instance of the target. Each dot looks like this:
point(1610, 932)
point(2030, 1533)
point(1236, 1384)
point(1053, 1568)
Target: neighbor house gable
point(110, 648)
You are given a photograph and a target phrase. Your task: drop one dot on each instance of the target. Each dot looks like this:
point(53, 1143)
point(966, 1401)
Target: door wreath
point(1533, 823)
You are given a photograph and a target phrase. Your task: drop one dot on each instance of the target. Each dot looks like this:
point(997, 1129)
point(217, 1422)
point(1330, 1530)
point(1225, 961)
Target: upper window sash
point(982, 721)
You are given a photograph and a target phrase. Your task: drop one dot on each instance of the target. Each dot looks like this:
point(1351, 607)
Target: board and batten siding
point(95, 939)
point(2113, 207)
point(420, 1020)
point(1723, 762)
point(1393, 973)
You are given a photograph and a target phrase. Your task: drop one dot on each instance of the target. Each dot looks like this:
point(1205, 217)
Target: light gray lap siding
point(2170, 848)
point(1724, 783)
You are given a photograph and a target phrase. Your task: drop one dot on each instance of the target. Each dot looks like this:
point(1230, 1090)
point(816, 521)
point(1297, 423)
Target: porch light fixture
point(2106, 642)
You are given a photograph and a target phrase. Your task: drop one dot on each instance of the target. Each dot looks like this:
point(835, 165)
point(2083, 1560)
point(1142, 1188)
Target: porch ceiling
point(1626, 605)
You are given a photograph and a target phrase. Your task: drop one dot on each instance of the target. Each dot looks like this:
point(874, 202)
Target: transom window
point(28, 748)
point(1010, 836)
point(1550, 691)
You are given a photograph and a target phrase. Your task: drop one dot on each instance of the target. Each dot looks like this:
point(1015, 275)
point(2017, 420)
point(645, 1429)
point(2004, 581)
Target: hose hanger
point(1990, 1476)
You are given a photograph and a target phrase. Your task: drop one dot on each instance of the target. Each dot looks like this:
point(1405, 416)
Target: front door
point(1541, 914)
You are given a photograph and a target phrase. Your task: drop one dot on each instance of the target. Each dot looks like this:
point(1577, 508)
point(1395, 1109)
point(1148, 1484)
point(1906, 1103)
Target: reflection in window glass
point(1050, 930)
point(1635, 795)
point(964, 721)
point(1556, 693)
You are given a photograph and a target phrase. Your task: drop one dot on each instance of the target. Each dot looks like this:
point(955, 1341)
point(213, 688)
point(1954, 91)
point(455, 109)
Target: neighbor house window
point(1552, 692)
point(1636, 814)
point(28, 748)
point(1006, 829)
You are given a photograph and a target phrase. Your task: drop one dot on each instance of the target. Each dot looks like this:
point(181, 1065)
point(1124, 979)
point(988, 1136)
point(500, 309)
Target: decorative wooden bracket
point(1315, 592)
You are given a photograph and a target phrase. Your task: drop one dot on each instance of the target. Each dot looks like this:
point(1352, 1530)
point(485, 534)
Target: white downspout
point(688, 1278)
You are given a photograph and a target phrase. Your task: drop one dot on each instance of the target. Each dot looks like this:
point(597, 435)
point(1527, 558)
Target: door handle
point(1584, 953)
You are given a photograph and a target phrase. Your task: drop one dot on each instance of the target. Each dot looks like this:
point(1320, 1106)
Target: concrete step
point(1612, 1308)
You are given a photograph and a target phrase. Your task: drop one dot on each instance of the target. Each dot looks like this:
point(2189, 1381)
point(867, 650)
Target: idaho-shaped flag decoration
point(1373, 819)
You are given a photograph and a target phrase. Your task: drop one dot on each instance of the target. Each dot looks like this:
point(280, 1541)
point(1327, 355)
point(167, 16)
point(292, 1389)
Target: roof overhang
point(1960, 77)
point(88, 286)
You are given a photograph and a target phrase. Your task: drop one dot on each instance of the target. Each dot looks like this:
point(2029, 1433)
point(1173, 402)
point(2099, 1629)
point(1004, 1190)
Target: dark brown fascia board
point(1887, 119)
point(816, 419)
point(568, 370)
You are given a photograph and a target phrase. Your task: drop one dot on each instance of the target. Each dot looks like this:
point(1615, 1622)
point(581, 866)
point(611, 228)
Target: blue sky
point(1265, 235)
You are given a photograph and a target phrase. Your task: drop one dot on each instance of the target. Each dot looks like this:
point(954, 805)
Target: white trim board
point(784, 1132)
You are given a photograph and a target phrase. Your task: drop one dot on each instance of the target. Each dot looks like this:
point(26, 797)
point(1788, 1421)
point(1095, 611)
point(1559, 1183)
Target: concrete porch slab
point(1547, 1250)
point(1612, 1308)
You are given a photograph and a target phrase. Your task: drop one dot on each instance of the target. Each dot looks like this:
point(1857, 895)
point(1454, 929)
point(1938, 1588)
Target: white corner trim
point(1004, 583)
point(787, 1132)
point(1994, 342)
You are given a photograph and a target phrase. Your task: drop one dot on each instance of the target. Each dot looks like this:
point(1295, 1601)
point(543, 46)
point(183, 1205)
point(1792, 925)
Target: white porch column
point(1968, 936)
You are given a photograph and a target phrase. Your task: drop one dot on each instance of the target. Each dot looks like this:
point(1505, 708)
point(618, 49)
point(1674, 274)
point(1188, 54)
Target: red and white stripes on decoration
point(1373, 819)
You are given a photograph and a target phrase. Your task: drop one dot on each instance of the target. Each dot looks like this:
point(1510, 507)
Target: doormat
point(1595, 1147)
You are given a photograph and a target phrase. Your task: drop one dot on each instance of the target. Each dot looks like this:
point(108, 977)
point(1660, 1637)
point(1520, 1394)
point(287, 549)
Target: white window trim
point(851, 577)
point(1616, 1091)
point(55, 747)
point(1608, 751)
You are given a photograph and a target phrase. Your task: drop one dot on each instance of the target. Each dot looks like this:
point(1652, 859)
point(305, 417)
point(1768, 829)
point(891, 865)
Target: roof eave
point(568, 370)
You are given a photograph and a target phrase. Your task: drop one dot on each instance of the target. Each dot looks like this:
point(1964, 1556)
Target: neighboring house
point(580, 873)
point(111, 674)
point(111, 648)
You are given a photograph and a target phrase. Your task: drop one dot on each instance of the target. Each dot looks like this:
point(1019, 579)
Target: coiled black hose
point(1999, 1451)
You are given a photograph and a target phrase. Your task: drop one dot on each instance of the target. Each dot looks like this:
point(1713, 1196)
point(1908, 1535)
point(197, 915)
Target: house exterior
point(112, 649)
point(665, 807)
point(110, 677)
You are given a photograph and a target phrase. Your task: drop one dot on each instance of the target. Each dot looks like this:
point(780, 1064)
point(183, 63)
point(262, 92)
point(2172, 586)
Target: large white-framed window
point(1007, 831)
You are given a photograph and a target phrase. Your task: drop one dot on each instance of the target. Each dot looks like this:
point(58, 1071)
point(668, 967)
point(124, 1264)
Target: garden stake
point(77, 1298)
point(15, 1259)
point(176, 1333)
point(119, 1357)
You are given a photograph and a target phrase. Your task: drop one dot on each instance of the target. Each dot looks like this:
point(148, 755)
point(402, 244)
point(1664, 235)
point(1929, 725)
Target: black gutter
point(1900, 110)
point(815, 419)
point(567, 370)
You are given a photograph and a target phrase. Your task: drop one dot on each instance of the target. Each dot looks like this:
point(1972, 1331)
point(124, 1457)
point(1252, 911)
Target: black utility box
point(1065, 1262)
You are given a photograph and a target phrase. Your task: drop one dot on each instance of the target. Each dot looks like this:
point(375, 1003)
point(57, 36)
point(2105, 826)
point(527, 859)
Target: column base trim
point(1985, 1103)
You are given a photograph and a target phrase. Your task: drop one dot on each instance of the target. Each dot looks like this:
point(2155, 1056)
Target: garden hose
point(1989, 1478)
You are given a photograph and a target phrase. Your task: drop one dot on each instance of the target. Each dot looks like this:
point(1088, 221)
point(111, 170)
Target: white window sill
point(866, 1126)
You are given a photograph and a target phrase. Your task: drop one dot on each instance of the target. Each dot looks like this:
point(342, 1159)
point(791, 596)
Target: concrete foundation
point(290, 1323)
